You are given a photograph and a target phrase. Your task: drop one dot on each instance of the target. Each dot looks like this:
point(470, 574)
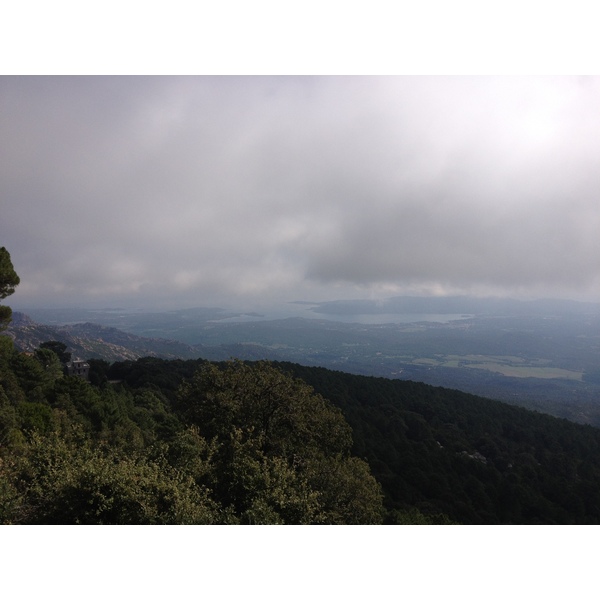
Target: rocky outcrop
point(94, 341)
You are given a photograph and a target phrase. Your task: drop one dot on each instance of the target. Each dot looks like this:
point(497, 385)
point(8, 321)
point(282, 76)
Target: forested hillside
point(239, 444)
point(474, 459)
point(159, 441)
point(442, 455)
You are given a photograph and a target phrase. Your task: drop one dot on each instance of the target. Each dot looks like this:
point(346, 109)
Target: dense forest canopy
point(160, 441)
point(233, 444)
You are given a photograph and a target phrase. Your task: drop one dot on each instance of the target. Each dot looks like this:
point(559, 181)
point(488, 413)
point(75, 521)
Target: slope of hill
point(474, 459)
point(92, 452)
point(87, 340)
point(442, 455)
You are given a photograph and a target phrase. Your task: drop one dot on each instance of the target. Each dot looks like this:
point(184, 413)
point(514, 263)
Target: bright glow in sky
point(190, 191)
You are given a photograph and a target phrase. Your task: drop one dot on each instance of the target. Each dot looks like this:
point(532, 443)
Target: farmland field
point(511, 366)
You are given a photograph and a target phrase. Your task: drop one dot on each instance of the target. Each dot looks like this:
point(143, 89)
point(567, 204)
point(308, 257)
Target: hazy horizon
point(175, 192)
point(398, 309)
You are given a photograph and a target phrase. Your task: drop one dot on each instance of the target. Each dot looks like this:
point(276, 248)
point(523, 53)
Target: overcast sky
point(195, 191)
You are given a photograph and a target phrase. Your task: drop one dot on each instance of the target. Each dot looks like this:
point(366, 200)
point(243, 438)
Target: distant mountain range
point(87, 340)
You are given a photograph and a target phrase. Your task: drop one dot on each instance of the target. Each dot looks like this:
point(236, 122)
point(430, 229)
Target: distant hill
point(87, 340)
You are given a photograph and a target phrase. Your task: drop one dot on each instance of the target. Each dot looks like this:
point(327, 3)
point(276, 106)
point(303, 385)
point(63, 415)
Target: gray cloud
point(174, 190)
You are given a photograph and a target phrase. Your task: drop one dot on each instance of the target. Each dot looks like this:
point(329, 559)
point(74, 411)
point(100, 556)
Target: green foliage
point(35, 416)
point(261, 489)
point(467, 459)
point(197, 442)
point(9, 280)
point(50, 363)
point(283, 451)
point(98, 374)
point(73, 452)
point(284, 414)
point(59, 482)
point(10, 423)
point(59, 348)
point(5, 316)
point(348, 493)
point(414, 516)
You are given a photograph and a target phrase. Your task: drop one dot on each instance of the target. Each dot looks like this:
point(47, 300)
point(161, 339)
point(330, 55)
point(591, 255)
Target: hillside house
point(78, 368)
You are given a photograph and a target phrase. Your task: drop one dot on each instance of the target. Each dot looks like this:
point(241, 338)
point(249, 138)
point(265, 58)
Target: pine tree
point(9, 280)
